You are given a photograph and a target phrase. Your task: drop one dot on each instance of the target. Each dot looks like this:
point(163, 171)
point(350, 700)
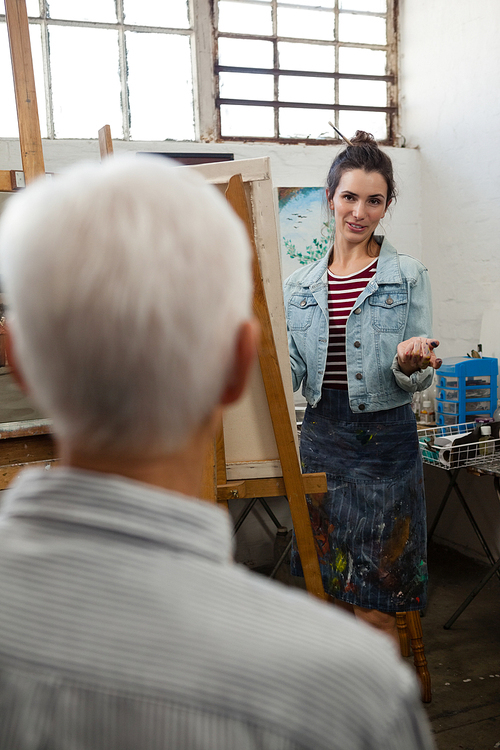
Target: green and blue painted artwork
point(306, 231)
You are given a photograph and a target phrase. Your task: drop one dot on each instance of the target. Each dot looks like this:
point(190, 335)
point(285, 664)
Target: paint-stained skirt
point(370, 527)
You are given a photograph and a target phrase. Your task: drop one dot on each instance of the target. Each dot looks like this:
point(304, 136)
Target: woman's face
point(359, 203)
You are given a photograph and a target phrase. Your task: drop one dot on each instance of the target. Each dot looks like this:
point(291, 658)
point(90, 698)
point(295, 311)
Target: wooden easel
point(292, 484)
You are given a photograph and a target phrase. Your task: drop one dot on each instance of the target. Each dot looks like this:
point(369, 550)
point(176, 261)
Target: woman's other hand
point(417, 353)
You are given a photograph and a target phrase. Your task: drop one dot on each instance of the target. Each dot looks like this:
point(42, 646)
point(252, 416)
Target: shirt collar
point(388, 269)
point(114, 504)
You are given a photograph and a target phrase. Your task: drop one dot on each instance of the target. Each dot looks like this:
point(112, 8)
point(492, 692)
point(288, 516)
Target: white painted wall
point(449, 79)
point(292, 166)
point(450, 73)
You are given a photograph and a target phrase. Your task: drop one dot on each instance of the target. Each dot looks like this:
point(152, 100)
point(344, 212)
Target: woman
point(358, 326)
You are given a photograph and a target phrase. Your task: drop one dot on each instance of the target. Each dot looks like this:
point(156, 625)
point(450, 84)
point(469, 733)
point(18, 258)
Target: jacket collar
point(388, 268)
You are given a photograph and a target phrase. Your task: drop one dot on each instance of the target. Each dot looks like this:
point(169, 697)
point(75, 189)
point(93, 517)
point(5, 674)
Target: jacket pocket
point(300, 310)
point(388, 311)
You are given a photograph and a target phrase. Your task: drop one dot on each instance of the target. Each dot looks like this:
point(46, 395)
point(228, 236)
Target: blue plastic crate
point(466, 389)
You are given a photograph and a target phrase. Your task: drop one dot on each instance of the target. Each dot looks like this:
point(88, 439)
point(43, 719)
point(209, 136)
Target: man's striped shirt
point(343, 291)
point(125, 625)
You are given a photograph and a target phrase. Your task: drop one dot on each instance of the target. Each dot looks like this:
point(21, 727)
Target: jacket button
point(303, 303)
point(357, 311)
point(357, 344)
point(361, 407)
point(389, 300)
point(359, 376)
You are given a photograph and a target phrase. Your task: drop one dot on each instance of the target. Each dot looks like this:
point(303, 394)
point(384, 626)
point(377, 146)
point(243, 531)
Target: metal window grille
point(46, 23)
point(337, 77)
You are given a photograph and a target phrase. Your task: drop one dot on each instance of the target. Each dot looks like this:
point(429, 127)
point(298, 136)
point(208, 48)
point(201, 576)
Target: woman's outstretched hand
point(417, 353)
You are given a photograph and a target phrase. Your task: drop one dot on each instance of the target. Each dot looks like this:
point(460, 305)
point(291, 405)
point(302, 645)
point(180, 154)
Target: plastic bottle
point(426, 413)
point(486, 444)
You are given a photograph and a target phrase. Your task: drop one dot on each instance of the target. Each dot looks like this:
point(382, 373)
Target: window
point(126, 63)
point(209, 69)
point(286, 68)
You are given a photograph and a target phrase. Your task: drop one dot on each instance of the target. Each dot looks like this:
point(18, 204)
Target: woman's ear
point(12, 360)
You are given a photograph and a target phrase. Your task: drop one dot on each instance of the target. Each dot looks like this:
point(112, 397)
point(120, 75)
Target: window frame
point(44, 21)
point(391, 77)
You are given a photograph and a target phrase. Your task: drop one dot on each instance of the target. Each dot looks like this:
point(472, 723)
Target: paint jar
point(427, 413)
point(486, 443)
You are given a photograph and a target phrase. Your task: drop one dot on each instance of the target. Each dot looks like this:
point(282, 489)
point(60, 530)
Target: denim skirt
point(369, 527)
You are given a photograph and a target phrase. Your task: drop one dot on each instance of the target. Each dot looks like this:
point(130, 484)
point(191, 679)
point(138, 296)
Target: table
point(479, 457)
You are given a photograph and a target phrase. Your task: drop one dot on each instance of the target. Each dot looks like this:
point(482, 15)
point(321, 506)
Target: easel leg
point(244, 513)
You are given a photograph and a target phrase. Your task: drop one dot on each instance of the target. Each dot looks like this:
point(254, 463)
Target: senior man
point(124, 623)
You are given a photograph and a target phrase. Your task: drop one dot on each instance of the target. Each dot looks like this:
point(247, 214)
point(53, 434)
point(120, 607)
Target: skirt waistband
point(334, 404)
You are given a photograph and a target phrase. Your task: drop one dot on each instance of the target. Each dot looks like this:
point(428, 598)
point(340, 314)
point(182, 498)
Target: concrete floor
point(464, 661)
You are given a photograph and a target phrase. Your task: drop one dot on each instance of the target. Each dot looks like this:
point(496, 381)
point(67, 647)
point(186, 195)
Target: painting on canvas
point(305, 228)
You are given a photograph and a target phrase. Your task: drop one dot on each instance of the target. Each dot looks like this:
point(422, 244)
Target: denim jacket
point(394, 306)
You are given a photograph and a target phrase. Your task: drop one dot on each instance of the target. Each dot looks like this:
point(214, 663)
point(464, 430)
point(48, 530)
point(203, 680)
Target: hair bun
point(362, 138)
point(362, 152)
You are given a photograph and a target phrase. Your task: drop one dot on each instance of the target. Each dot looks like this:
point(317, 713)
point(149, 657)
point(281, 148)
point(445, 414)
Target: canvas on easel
point(252, 452)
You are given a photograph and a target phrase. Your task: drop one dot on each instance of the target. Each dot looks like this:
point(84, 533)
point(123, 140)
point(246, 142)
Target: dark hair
point(363, 154)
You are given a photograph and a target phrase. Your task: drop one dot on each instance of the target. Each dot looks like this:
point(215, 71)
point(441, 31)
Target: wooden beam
point(7, 473)
point(5, 183)
point(268, 487)
point(24, 86)
point(23, 450)
point(25, 428)
point(105, 142)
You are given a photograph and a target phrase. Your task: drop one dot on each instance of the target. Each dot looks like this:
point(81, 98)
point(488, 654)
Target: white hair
point(126, 284)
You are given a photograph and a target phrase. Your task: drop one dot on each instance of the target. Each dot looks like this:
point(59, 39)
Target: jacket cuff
point(417, 381)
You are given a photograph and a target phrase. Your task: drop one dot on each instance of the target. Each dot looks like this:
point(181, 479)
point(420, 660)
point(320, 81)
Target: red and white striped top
point(343, 291)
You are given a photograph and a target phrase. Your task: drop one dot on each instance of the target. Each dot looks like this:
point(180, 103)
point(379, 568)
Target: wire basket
point(454, 446)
